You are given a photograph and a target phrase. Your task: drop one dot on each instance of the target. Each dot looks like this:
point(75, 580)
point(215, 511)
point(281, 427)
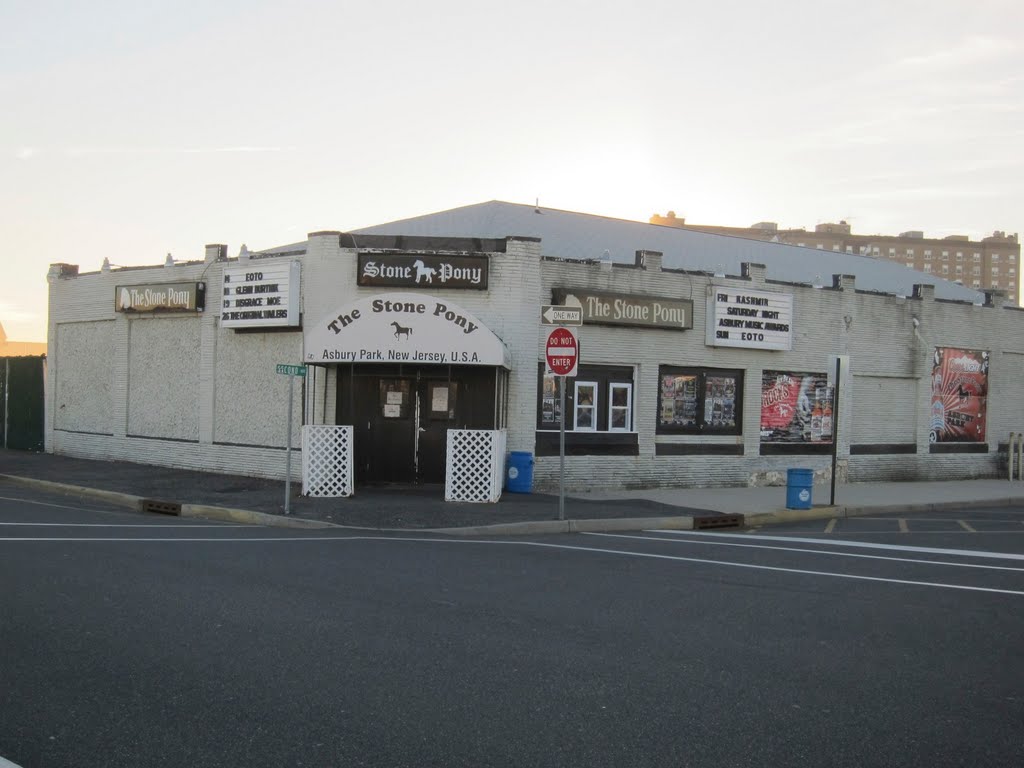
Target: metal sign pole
point(291, 371)
point(561, 449)
point(7, 390)
point(288, 452)
point(835, 431)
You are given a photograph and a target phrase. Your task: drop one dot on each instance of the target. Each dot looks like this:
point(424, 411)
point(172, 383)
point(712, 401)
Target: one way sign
point(556, 314)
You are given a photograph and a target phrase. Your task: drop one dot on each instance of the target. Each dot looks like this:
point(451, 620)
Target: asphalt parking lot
point(147, 640)
point(999, 528)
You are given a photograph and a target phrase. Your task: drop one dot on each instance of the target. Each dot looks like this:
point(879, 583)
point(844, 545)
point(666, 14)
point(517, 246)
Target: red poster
point(795, 408)
point(959, 395)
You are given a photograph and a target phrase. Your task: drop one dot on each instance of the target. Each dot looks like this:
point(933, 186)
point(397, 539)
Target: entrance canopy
point(403, 328)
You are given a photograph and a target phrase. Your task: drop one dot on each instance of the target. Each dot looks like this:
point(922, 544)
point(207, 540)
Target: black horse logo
point(400, 330)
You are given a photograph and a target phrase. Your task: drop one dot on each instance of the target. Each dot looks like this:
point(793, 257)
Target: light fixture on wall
point(915, 323)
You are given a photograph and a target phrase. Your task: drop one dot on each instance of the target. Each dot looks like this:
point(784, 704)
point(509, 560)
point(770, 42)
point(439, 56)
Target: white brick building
point(712, 380)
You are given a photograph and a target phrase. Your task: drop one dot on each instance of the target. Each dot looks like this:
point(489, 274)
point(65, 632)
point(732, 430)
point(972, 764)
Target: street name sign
point(292, 370)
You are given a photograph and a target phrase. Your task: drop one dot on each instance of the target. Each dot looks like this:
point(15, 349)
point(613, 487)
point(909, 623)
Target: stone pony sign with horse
point(402, 328)
point(422, 270)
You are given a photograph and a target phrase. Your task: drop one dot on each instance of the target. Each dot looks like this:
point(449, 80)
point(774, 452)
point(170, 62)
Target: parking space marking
point(806, 551)
point(197, 524)
point(546, 545)
point(831, 525)
point(966, 526)
point(940, 519)
point(848, 543)
point(903, 525)
point(957, 531)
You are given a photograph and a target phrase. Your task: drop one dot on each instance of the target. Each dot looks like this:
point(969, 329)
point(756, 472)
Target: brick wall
point(185, 392)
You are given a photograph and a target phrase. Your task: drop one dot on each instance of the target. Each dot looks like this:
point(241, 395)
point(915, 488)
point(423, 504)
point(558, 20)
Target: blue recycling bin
point(799, 486)
point(519, 472)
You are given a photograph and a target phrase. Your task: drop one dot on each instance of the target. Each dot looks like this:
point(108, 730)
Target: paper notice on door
point(439, 401)
point(392, 410)
point(395, 398)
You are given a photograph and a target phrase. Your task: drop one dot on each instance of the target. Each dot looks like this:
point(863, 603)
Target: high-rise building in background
point(992, 262)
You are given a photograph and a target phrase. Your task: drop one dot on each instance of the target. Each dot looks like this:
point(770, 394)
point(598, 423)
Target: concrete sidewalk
point(258, 501)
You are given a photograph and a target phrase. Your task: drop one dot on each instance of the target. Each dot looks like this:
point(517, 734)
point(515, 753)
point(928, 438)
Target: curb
point(250, 517)
point(538, 527)
point(592, 525)
point(112, 497)
point(205, 511)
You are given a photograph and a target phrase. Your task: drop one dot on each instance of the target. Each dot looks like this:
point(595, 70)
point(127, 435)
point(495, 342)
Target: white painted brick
point(187, 379)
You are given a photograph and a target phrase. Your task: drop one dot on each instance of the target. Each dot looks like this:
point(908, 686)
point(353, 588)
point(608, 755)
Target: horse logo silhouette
point(423, 271)
point(400, 330)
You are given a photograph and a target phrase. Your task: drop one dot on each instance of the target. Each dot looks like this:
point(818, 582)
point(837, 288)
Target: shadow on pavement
point(371, 507)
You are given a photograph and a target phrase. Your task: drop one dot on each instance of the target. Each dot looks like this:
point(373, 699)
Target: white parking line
point(863, 544)
point(8, 764)
point(696, 542)
point(543, 545)
point(197, 524)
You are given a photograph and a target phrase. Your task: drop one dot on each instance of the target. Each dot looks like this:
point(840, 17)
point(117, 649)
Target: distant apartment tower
point(992, 262)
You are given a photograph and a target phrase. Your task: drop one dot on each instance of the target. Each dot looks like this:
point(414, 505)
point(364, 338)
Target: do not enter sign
point(562, 352)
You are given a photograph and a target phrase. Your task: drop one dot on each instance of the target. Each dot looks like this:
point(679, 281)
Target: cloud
point(968, 51)
point(25, 153)
point(81, 151)
point(930, 193)
point(241, 149)
point(12, 313)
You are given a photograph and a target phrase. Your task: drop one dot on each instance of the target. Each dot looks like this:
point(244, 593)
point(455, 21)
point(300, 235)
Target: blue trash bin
point(799, 485)
point(519, 472)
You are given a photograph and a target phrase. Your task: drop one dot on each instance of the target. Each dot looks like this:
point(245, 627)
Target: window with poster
point(586, 399)
point(598, 411)
point(395, 400)
point(959, 397)
point(442, 396)
point(796, 410)
point(700, 401)
point(620, 407)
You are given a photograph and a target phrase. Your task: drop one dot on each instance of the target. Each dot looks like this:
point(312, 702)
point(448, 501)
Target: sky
point(135, 129)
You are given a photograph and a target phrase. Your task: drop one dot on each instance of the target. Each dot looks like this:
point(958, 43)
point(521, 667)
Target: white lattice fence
point(327, 461)
point(475, 467)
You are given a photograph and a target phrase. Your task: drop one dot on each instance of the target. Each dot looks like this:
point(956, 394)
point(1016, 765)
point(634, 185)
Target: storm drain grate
point(717, 521)
point(161, 507)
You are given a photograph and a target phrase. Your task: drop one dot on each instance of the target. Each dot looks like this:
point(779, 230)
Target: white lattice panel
point(327, 461)
point(475, 465)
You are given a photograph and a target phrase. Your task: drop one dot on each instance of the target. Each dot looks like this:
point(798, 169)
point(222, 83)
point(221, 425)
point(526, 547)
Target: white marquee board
point(261, 294)
point(738, 317)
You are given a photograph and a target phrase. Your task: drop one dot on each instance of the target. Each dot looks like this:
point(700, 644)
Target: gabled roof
point(570, 235)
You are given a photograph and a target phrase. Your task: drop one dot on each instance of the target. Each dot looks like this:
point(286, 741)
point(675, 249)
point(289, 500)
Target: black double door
point(402, 418)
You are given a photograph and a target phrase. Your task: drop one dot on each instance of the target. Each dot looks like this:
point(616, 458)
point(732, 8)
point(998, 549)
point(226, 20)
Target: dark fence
point(21, 402)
